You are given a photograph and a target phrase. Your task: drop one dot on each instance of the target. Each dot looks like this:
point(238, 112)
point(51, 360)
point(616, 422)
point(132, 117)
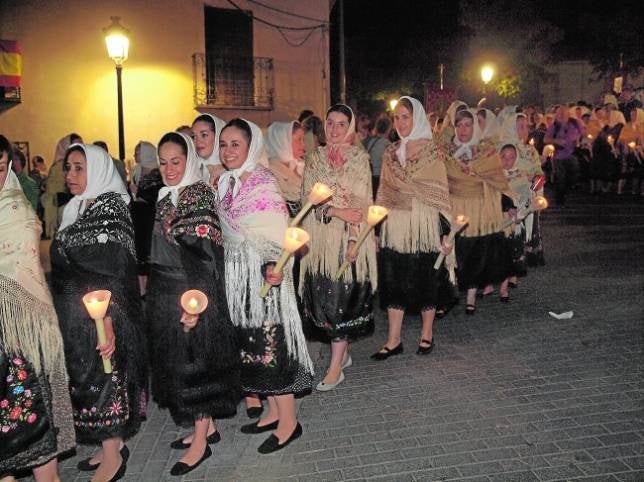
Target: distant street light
point(487, 72)
point(393, 103)
point(118, 43)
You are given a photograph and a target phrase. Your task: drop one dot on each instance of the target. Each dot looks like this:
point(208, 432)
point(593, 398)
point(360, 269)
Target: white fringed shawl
point(253, 226)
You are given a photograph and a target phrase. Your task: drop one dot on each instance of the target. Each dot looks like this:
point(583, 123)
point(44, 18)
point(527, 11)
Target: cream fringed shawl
point(351, 186)
point(478, 194)
point(415, 195)
point(28, 321)
point(253, 226)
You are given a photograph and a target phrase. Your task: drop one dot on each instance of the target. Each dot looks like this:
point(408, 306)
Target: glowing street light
point(393, 103)
point(118, 43)
point(487, 72)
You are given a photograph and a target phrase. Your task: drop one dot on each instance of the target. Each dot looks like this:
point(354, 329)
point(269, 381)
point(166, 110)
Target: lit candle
point(319, 193)
point(531, 142)
point(611, 140)
point(96, 303)
point(459, 224)
point(632, 144)
point(193, 302)
point(294, 239)
point(549, 150)
point(590, 136)
point(539, 203)
point(375, 214)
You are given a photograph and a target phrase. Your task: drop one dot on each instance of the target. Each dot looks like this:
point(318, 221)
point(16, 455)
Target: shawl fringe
point(29, 327)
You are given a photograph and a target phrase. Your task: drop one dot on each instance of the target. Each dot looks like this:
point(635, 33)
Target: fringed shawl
point(28, 321)
point(351, 186)
point(478, 194)
point(253, 224)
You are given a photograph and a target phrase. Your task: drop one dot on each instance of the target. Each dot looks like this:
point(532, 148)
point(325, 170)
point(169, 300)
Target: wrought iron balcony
point(227, 83)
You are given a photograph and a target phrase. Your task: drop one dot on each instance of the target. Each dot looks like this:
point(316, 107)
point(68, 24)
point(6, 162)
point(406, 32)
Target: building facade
point(224, 57)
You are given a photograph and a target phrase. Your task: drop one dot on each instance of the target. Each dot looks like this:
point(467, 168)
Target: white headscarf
point(508, 134)
point(191, 175)
point(491, 125)
point(465, 148)
point(213, 159)
point(102, 177)
point(279, 144)
point(420, 129)
point(11, 181)
point(147, 159)
point(255, 153)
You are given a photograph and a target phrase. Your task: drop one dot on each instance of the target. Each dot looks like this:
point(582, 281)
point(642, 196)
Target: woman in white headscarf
point(205, 132)
point(447, 128)
point(413, 187)
point(94, 250)
point(525, 173)
point(145, 186)
point(274, 359)
point(56, 194)
point(286, 149)
point(476, 183)
point(632, 140)
point(35, 410)
point(194, 358)
point(341, 309)
point(487, 123)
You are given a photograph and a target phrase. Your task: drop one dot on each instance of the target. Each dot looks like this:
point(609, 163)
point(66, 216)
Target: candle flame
point(460, 219)
point(193, 303)
point(531, 142)
point(632, 144)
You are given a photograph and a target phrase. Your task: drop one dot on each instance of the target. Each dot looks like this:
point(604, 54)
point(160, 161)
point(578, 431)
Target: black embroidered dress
point(97, 252)
point(194, 374)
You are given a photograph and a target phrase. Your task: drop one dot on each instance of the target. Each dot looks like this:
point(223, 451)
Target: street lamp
point(487, 72)
point(392, 104)
point(118, 43)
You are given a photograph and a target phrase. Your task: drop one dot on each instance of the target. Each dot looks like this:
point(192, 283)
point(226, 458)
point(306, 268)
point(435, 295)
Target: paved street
point(509, 394)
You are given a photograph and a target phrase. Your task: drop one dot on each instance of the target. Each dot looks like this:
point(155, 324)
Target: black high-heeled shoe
point(120, 472)
point(179, 444)
point(181, 468)
point(254, 412)
point(85, 466)
point(470, 309)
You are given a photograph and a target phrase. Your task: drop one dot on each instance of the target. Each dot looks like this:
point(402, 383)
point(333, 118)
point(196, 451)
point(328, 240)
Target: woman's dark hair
point(460, 108)
point(75, 138)
point(242, 125)
point(482, 112)
point(342, 109)
point(305, 114)
point(102, 145)
point(5, 146)
point(316, 127)
point(37, 160)
point(207, 119)
point(175, 138)
point(383, 124)
point(297, 125)
point(509, 146)
point(184, 126)
point(74, 149)
point(462, 114)
point(408, 105)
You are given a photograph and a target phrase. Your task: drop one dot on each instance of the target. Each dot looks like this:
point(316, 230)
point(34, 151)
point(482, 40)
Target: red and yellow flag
point(10, 63)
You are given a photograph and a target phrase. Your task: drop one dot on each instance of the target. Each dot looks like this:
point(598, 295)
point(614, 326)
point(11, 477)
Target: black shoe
point(425, 350)
point(470, 309)
point(504, 299)
point(272, 443)
point(511, 284)
point(254, 412)
point(253, 428)
point(179, 444)
point(120, 472)
point(85, 466)
point(440, 313)
point(380, 355)
point(181, 469)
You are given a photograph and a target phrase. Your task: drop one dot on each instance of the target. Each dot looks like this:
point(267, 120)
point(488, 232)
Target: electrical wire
point(274, 25)
point(286, 12)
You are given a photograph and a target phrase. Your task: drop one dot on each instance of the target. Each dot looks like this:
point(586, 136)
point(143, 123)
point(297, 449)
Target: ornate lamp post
point(118, 42)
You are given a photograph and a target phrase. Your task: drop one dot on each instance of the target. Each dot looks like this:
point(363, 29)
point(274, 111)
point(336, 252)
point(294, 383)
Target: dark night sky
point(379, 33)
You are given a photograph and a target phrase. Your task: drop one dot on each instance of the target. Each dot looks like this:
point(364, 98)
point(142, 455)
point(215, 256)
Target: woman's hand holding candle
point(189, 321)
point(448, 241)
point(294, 239)
point(106, 350)
point(319, 193)
point(193, 303)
